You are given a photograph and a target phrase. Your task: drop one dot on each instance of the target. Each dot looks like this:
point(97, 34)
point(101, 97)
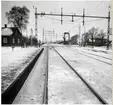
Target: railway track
point(94, 57)
point(9, 95)
point(97, 55)
point(85, 82)
point(45, 96)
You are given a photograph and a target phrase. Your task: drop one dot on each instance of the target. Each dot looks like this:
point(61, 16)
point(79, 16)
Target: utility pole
point(56, 37)
point(36, 30)
point(31, 36)
point(61, 15)
point(43, 36)
point(79, 33)
point(108, 32)
point(73, 15)
point(53, 34)
point(50, 36)
point(84, 27)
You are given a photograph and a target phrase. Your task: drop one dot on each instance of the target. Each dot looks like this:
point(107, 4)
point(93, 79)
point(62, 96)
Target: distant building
point(11, 36)
point(98, 41)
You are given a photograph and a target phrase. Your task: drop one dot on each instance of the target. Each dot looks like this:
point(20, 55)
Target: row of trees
point(74, 39)
point(90, 38)
point(92, 34)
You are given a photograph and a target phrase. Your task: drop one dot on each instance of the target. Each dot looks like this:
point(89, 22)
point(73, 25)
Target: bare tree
point(92, 32)
point(102, 34)
point(86, 38)
point(18, 16)
point(74, 39)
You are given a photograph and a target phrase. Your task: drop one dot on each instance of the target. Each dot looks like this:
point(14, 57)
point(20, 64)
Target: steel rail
point(86, 83)
point(90, 53)
point(96, 59)
point(97, 55)
point(45, 96)
point(94, 54)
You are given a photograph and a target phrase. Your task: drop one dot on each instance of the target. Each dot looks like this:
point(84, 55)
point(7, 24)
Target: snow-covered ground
point(102, 56)
point(9, 49)
point(98, 49)
point(89, 48)
point(98, 52)
point(98, 74)
point(13, 62)
point(64, 86)
point(102, 49)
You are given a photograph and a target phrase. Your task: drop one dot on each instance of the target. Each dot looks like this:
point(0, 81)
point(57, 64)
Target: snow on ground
point(97, 73)
point(96, 49)
point(64, 86)
point(101, 51)
point(95, 55)
point(89, 48)
point(9, 49)
point(13, 62)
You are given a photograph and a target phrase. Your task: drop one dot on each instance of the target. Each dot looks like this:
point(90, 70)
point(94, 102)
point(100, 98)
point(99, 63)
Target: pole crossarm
point(72, 16)
point(53, 14)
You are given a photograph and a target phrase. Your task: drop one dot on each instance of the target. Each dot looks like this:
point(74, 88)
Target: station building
point(11, 36)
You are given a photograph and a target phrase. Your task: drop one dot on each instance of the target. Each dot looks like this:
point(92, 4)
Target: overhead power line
point(73, 16)
point(64, 20)
point(53, 18)
point(93, 20)
point(100, 3)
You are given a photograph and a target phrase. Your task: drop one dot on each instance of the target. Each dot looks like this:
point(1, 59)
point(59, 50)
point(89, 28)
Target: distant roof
point(6, 31)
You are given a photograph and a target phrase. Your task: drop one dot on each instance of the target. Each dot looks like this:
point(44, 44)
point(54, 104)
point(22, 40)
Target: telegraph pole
point(36, 30)
point(108, 32)
point(56, 37)
point(43, 36)
point(61, 15)
point(31, 36)
point(84, 27)
point(79, 33)
point(53, 34)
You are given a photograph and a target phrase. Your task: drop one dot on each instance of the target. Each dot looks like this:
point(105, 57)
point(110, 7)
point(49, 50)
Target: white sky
point(99, 8)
